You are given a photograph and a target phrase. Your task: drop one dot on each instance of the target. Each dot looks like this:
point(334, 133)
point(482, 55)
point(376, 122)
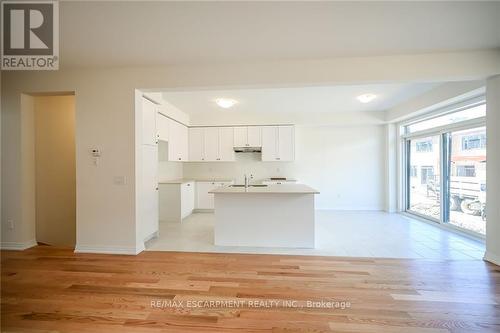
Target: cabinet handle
point(277, 158)
point(202, 159)
point(218, 159)
point(157, 188)
point(188, 184)
point(179, 158)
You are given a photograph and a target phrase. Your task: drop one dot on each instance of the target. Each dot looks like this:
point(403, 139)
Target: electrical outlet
point(10, 223)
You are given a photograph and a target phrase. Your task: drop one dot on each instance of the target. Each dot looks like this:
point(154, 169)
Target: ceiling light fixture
point(366, 98)
point(225, 103)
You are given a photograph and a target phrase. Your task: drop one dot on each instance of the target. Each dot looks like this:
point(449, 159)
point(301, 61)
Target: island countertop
point(284, 189)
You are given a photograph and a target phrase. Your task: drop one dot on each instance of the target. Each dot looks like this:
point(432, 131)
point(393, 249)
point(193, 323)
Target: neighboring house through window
point(466, 171)
point(470, 142)
point(424, 146)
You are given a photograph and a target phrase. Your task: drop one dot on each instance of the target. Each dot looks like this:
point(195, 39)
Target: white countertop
point(289, 188)
point(189, 180)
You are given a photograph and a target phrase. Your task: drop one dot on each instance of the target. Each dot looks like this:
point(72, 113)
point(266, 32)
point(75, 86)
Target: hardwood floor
point(54, 290)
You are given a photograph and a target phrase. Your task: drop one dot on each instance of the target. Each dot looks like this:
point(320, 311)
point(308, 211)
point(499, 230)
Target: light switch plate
point(119, 180)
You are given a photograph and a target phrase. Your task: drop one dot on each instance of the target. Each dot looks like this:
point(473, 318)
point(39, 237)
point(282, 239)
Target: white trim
point(203, 210)
point(108, 249)
point(438, 110)
point(458, 126)
point(492, 258)
point(18, 246)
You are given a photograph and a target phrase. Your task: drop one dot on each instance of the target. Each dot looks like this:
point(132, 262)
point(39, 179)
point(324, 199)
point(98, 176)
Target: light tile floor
point(352, 234)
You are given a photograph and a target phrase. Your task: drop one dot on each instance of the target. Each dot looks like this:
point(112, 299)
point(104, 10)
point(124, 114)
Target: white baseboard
point(108, 250)
point(490, 257)
point(198, 210)
point(18, 246)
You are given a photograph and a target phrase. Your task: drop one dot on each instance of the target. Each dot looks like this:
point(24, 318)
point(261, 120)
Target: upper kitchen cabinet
point(162, 127)
point(278, 143)
point(177, 141)
point(211, 144)
point(226, 137)
point(219, 144)
point(149, 132)
point(248, 136)
point(196, 144)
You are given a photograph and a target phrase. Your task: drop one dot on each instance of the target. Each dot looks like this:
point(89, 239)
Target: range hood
point(247, 149)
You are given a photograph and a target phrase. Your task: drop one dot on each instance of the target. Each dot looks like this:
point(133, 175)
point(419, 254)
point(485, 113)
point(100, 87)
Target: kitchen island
point(265, 216)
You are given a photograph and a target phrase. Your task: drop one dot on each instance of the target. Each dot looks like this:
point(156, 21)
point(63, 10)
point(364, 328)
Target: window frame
point(445, 163)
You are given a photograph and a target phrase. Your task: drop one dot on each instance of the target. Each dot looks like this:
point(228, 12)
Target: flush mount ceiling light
point(225, 103)
point(366, 98)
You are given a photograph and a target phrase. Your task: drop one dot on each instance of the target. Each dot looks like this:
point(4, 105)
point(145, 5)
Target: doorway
point(55, 169)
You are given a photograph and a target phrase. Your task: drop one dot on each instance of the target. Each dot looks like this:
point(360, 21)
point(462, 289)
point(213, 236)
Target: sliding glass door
point(424, 177)
point(467, 186)
point(445, 168)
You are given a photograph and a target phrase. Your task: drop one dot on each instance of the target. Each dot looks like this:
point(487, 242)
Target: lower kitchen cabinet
point(176, 201)
point(205, 200)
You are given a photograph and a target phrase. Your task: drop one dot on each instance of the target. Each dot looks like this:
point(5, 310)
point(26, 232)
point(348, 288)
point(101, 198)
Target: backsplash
point(167, 170)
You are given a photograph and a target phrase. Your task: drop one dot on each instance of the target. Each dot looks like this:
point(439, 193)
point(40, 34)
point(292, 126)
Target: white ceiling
point(297, 100)
point(158, 33)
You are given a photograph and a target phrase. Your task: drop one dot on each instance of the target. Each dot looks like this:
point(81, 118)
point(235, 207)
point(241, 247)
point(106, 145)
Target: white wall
point(105, 118)
point(493, 170)
point(346, 164)
point(441, 96)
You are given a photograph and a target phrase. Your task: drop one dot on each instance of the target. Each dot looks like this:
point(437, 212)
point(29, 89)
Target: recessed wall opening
point(49, 167)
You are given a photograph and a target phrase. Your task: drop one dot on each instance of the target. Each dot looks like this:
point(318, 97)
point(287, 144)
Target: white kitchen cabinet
point(187, 199)
point(176, 201)
point(148, 202)
point(184, 153)
point(226, 137)
point(248, 136)
point(205, 200)
point(162, 127)
point(254, 136)
point(196, 144)
point(149, 133)
point(286, 143)
point(240, 136)
point(270, 143)
point(278, 143)
point(178, 145)
point(211, 145)
point(218, 144)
